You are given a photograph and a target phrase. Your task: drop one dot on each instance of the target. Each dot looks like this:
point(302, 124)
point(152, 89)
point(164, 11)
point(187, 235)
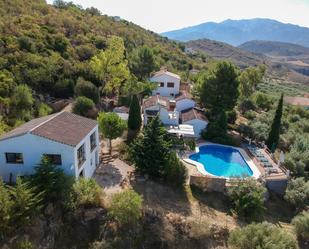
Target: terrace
point(263, 159)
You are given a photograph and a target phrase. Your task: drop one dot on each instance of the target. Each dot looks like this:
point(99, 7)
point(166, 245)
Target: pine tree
point(150, 151)
point(5, 208)
point(51, 180)
point(274, 133)
point(26, 201)
point(135, 118)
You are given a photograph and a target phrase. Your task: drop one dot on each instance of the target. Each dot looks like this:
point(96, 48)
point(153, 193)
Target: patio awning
point(183, 129)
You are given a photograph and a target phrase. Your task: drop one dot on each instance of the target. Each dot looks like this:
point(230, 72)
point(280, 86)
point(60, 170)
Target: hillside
point(291, 68)
point(236, 32)
point(293, 56)
point(222, 51)
point(41, 44)
point(272, 48)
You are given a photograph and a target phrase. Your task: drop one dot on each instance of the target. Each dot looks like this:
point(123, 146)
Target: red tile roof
point(183, 95)
point(63, 127)
point(164, 71)
point(192, 114)
point(156, 100)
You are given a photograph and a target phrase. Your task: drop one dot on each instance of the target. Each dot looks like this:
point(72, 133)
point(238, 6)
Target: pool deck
point(280, 175)
point(197, 169)
point(200, 167)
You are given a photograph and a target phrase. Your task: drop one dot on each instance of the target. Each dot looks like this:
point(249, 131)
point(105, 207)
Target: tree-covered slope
point(48, 47)
point(272, 48)
point(223, 51)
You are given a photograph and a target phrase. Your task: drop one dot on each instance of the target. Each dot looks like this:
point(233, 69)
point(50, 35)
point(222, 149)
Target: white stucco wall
point(33, 147)
point(166, 91)
point(152, 108)
point(166, 120)
point(92, 157)
point(198, 126)
point(164, 116)
point(184, 104)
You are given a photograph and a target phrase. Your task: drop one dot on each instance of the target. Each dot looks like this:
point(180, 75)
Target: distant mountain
point(236, 32)
point(272, 48)
point(285, 60)
point(222, 51)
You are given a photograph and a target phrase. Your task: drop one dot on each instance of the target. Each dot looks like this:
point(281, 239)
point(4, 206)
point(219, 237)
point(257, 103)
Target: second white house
point(68, 140)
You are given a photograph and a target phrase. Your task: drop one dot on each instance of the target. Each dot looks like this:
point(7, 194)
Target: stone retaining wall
point(208, 183)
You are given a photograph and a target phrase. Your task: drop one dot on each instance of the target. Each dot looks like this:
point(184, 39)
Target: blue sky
point(165, 15)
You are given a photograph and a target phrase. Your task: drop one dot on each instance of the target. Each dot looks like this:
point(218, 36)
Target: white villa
point(68, 140)
point(168, 83)
point(176, 109)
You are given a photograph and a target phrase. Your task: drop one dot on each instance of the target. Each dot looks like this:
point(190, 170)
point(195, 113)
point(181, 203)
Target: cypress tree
point(150, 151)
point(273, 137)
point(135, 118)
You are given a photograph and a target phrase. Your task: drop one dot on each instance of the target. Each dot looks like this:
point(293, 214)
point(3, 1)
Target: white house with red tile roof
point(173, 112)
point(169, 102)
point(162, 106)
point(68, 140)
point(168, 84)
point(196, 118)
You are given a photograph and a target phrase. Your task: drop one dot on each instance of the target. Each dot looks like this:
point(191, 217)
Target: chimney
point(172, 105)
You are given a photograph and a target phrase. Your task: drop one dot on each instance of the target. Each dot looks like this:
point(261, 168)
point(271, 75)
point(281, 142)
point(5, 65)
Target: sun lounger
point(267, 165)
point(272, 170)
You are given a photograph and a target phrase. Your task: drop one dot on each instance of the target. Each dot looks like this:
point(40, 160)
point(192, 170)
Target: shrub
point(6, 205)
point(175, 171)
point(85, 52)
point(126, 207)
point(191, 143)
point(83, 106)
point(103, 244)
point(246, 105)
point(301, 223)
point(25, 244)
point(231, 116)
point(26, 202)
point(44, 110)
point(261, 236)
point(263, 101)
point(250, 114)
point(297, 192)
point(87, 89)
point(64, 88)
point(297, 159)
point(124, 152)
point(25, 43)
point(86, 193)
point(52, 181)
point(21, 102)
point(227, 140)
point(247, 197)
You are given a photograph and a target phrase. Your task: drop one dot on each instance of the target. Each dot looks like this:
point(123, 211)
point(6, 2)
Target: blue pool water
point(222, 161)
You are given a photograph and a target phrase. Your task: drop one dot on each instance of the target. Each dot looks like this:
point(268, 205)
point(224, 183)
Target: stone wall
point(277, 185)
point(208, 183)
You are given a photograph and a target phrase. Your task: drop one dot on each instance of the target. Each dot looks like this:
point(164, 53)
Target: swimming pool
point(222, 161)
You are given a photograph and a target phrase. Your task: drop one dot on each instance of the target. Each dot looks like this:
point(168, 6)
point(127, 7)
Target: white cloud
point(164, 15)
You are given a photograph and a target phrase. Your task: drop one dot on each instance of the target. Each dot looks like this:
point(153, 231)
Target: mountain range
point(237, 32)
point(286, 60)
